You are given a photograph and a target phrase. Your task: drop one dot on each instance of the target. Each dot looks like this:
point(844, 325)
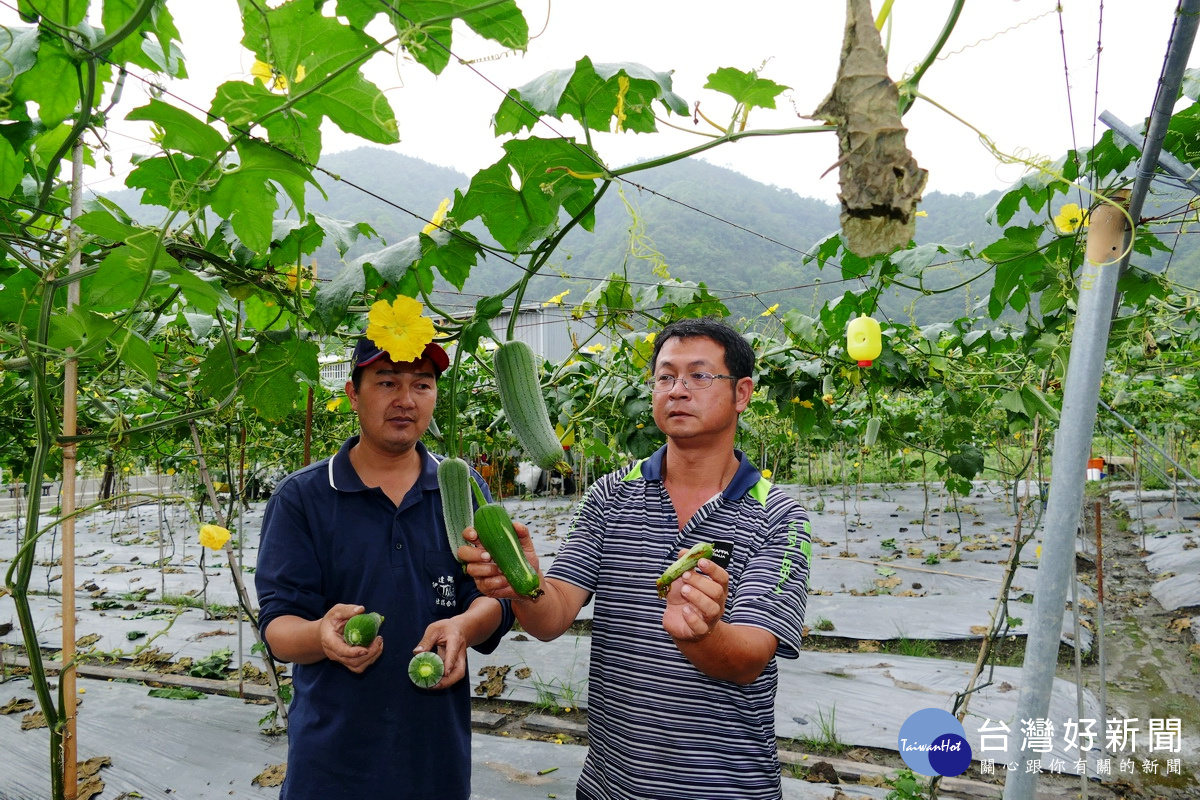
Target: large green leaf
point(335, 296)
point(135, 353)
point(246, 195)
point(601, 97)
point(157, 27)
point(52, 83)
point(1018, 266)
point(967, 462)
point(270, 385)
point(425, 25)
point(519, 197)
point(180, 130)
point(318, 57)
point(341, 233)
point(20, 49)
point(123, 277)
point(12, 168)
point(453, 255)
point(66, 14)
point(170, 181)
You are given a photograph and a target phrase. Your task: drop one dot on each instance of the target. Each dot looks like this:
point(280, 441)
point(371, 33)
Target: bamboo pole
point(67, 678)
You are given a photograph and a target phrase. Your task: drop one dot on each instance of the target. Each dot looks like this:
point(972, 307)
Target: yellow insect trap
point(864, 342)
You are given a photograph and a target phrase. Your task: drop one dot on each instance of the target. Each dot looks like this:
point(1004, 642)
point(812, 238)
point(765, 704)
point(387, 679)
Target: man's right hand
point(354, 658)
point(488, 577)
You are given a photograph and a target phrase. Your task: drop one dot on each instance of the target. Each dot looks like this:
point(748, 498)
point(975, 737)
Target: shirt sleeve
point(578, 560)
point(773, 593)
point(288, 573)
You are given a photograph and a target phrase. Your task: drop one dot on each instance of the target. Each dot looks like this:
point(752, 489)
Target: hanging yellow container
point(863, 340)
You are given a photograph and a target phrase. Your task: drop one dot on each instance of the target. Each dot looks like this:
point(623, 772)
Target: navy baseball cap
point(367, 352)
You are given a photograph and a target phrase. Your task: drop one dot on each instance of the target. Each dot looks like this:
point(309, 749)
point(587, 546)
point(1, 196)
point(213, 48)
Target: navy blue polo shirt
point(328, 539)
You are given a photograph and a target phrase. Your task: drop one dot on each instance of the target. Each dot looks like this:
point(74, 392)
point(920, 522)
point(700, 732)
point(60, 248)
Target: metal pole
point(1100, 615)
point(1072, 445)
point(1081, 394)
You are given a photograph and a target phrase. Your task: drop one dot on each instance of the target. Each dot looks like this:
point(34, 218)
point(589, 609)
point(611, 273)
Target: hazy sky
point(1013, 69)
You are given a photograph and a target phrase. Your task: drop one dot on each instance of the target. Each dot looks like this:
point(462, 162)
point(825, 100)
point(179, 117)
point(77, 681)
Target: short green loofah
point(362, 629)
point(426, 669)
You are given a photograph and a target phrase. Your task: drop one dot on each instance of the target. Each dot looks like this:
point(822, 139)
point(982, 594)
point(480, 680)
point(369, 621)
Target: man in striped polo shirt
point(681, 690)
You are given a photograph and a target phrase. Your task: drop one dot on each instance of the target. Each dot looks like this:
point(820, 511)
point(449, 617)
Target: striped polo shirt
point(658, 727)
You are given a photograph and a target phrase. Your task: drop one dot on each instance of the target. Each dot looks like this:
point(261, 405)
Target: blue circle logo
point(933, 742)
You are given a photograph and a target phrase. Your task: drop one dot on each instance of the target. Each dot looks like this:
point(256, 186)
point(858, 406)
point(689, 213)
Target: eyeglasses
point(694, 380)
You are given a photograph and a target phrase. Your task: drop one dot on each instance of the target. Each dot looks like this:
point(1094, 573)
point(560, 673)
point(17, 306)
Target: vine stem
point(235, 571)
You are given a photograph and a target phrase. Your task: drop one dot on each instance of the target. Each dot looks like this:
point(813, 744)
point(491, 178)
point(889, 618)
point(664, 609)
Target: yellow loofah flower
point(1069, 218)
point(438, 218)
point(399, 329)
point(272, 78)
point(213, 537)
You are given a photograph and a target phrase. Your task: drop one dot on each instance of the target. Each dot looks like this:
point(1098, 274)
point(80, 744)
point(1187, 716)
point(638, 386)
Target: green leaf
point(20, 49)
point(341, 233)
point(1013, 401)
point(317, 56)
point(1036, 403)
point(452, 255)
point(593, 95)
point(52, 83)
point(968, 462)
point(135, 353)
point(245, 195)
point(12, 168)
point(102, 223)
point(203, 294)
point(131, 49)
point(519, 197)
point(271, 386)
point(177, 694)
point(745, 87)
point(1019, 266)
point(333, 298)
point(264, 314)
point(123, 277)
point(216, 377)
point(180, 130)
point(66, 14)
point(393, 261)
point(83, 331)
point(426, 25)
point(169, 181)
point(240, 103)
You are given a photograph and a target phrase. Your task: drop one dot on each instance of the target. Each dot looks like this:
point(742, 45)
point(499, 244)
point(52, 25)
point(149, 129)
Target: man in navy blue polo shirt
point(363, 531)
point(681, 689)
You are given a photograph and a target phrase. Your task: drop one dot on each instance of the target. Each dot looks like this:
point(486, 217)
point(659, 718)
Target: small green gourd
point(872, 432)
point(499, 538)
point(426, 669)
point(361, 629)
point(684, 563)
point(523, 404)
point(454, 481)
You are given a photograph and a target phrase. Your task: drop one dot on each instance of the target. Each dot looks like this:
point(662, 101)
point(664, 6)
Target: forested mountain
point(743, 239)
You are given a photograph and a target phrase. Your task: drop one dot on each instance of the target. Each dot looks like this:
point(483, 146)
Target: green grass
point(826, 740)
